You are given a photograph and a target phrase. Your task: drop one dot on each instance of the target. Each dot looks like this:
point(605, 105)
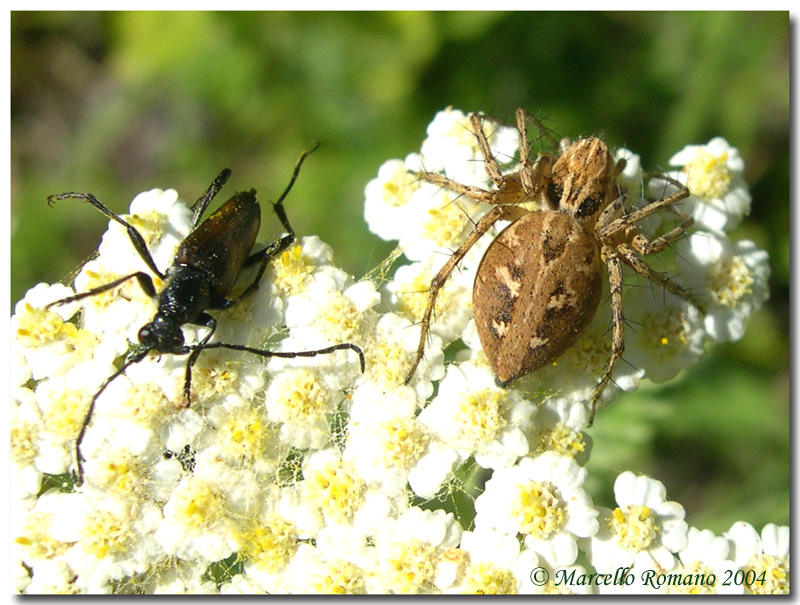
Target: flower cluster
point(305, 476)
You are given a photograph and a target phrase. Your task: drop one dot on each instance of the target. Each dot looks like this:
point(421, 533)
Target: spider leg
point(475, 193)
point(524, 116)
point(525, 165)
point(645, 246)
point(482, 226)
point(628, 256)
point(533, 175)
point(618, 322)
point(623, 223)
point(489, 161)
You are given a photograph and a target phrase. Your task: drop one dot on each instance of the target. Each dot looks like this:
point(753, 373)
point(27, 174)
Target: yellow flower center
point(635, 527)
point(398, 189)
point(538, 509)
point(271, 545)
point(731, 281)
point(411, 567)
point(486, 578)
point(445, 224)
point(340, 577)
point(665, 333)
point(336, 490)
point(561, 439)
point(480, 413)
point(292, 271)
point(708, 175)
point(105, 534)
point(771, 575)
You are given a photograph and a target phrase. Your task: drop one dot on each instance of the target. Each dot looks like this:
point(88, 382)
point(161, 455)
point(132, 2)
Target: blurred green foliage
point(120, 102)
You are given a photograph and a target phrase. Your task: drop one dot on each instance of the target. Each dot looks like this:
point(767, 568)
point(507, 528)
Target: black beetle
point(202, 275)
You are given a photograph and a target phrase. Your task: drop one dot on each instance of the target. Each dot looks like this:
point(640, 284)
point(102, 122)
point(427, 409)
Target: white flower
point(496, 564)
point(631, 176)
point(665, 334)
point(452, 147)
point(409, 292)
point(475, 417)
point(713, 173)
point(333, 486)
point(341, 562)
point(731, 278)
point(561, 428)
point(53, 577)
point(440, 222)
point(762, 560)
point(240, 435)
point(544, 502)
point(302, 402)
point(114, 542)
point(389, 352)
point(205, 512)
point(161, 218)
point(269, 544)
point(298, 265)
point(331, 309)
point(704, 568)
point(386, 205)
point(643, 531)
point(47, 342)
point(411, 550)
point(27, 448)
point(385, 440)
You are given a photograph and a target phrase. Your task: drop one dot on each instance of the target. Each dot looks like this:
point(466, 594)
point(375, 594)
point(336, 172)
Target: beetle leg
point(135, 357)
point(263, 257)
point(292, 354)
point(278, 206)
point(136, 238)
point(145, 282)
point(279, 245)
point(204, 320)
point(199, 207)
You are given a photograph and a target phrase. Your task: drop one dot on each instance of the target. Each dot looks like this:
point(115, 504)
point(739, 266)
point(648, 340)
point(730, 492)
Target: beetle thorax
point(186, 296)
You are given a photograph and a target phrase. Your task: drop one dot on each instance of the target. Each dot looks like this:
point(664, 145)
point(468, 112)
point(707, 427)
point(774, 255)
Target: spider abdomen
point(537, 288)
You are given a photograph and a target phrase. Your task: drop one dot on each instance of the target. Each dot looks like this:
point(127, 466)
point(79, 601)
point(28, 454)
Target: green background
point(117, 103)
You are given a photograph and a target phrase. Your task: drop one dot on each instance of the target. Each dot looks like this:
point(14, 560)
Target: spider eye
point(587, 207)
point(554, 192)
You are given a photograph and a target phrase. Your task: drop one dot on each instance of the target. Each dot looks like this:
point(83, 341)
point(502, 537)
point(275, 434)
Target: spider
point(540, 281)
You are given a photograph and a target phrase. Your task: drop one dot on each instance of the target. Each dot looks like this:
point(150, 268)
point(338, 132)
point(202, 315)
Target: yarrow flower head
point(714, 175)
point(731, 277)
point(303, 474)
point(643, 531)
point(763, 559)
point(545, 503)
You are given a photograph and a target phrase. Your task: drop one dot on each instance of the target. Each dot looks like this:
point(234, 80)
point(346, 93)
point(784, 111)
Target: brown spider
point(539, 283)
